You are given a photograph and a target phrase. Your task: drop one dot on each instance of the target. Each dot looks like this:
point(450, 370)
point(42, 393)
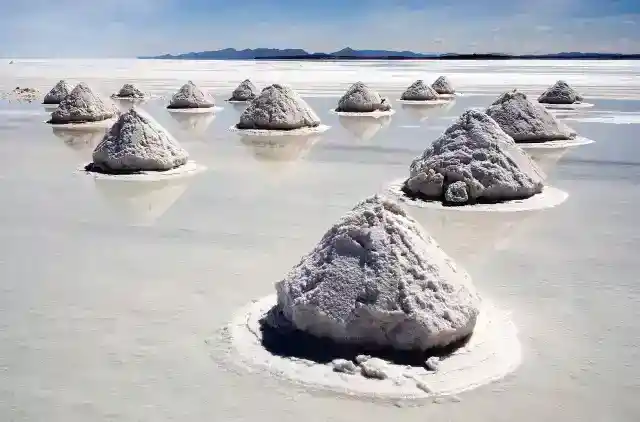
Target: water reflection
point(421, 112)
point(364, 128)
point(194, 123)
point(280, 148)
point(83, 141)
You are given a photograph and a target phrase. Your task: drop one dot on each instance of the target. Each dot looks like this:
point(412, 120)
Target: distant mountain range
point(351, 54)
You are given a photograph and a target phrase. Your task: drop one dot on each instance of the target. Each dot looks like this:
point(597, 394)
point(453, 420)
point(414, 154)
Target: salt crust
point(102, 124)
point(199, 110)
point(375, 114)
point(574, 106)
point(189, 169)
point(426, 102)
point(493, 352)
point(557, 144)
point(293, 132)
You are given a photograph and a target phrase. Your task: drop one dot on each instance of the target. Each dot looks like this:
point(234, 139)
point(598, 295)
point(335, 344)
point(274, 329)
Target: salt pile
point(190, 96)
point(129, 91)
point(246, 91)
point(560, 93)
point(442, 85)
point(473, 161)
point(525, 121)
point(58, 92)
point(359, 98)
point(82, 106)
point(419, 91)
point(136, 143)
point(278, 108)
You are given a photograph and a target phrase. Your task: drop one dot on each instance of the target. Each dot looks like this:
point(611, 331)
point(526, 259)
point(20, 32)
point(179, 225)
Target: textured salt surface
point(190, 96)
point(419, 91)
point(560, 93)
point(246, 91)
point(129, 92)
point(360, 98)
point(82, 106)
point(189, 169)
point(57, 93)
point(443, 86)
point(294, 132)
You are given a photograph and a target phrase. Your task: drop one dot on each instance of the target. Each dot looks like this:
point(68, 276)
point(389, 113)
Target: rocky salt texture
point(359, 98)
point(58, 92)
point(419, 91)
point(190, 96)
point(129, 91)
point(83, 106)
point(560, 93)
point(526, 121)
point(246, 91)
point(137, 143)
point(278, 108)
point(471, 162)
point(377, 279)
point(442, 85)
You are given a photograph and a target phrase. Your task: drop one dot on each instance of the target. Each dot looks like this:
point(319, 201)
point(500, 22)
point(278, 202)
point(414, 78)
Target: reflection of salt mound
point(82, 106)
point(525, 121)
point(359, 98)
point(58, 92)
point(279, 148)
point(129, 91)
point(364, 128)
point(137, 143)
point(79, 140)
point(190, 96)
point(419, 91)
point(278, 108)
point(560, 93)
point(246, 91)
point(473, 161)
point(377, 279)
point(194, 123)
point(422, 112)
point(442, 85)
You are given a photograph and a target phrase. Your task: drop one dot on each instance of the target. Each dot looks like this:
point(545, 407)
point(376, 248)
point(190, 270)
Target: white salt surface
point(293, 132)
point(610, 118)
point(492, 352)
point(427, 102)
point(568, 143)
point(102, 124)
point(450, 96)
point(196, 110)
point(575, 106)
point(375, 114)
point(189, 169)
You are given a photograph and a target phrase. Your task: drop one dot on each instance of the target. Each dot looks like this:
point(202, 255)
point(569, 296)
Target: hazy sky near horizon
point(124, 28)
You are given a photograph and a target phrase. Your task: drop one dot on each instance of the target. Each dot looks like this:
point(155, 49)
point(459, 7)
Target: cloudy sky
point(125, 28)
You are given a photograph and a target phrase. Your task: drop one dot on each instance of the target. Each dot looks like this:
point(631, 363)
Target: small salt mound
point(377, 279)
point(137, 143)
point(246, 91)
point(129, 91)
point(82, 106)
point(58, 92)
point(473, 160)
point(359, 98)
point(560, 93)
point(442, 85)
point(525, 121)
point(419, 91)
point(190, 96)
point(278, 108)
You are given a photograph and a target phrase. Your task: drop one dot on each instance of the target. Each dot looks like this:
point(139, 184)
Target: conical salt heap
point(442, 85)
point(129, 91)
point(58, 92)
point(190, 96)
point(377, 279)
point(560, 93)
point(473, 161)
point(137, 143)
point(525, 121)
point(359, 98)
point(82, 106)
point(419, 91)
point(246, 91)
point(278, 108)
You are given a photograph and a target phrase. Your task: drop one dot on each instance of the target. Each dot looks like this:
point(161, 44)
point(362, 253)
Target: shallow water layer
point(112, 300)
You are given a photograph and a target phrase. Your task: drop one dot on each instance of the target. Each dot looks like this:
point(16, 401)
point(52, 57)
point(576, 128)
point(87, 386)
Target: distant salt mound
point(560, 93)
point(58, 92)
point(359, 98)
point(136, 143)
point(473, 161)
point(525, 121)
point(129, 91)
point(419, 91)
point(82, 106)
point(246, 91)
point(278, 108)
point(190, 96)
point(377, 279)
point(442, 85)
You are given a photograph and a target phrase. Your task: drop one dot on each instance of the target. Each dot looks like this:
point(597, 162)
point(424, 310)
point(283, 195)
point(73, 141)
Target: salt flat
point(112, 301)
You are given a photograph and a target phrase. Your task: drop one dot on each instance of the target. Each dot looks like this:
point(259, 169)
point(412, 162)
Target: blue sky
point(123, 28)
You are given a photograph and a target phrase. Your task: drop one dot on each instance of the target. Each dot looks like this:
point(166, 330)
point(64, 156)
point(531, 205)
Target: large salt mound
point(377, 279)
point(82, 106)
point(560, 93)
point(129, 91)
point(525, 121)
point(278, 108)
point(442, 85)
point(190, 96)
point(359, 98)
point(137, 143)
point(58, 92)
point(473, 160)
point(246, 91)
point(419, 91)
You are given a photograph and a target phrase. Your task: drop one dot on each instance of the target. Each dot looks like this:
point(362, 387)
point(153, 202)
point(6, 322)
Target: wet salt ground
point(103, 320)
